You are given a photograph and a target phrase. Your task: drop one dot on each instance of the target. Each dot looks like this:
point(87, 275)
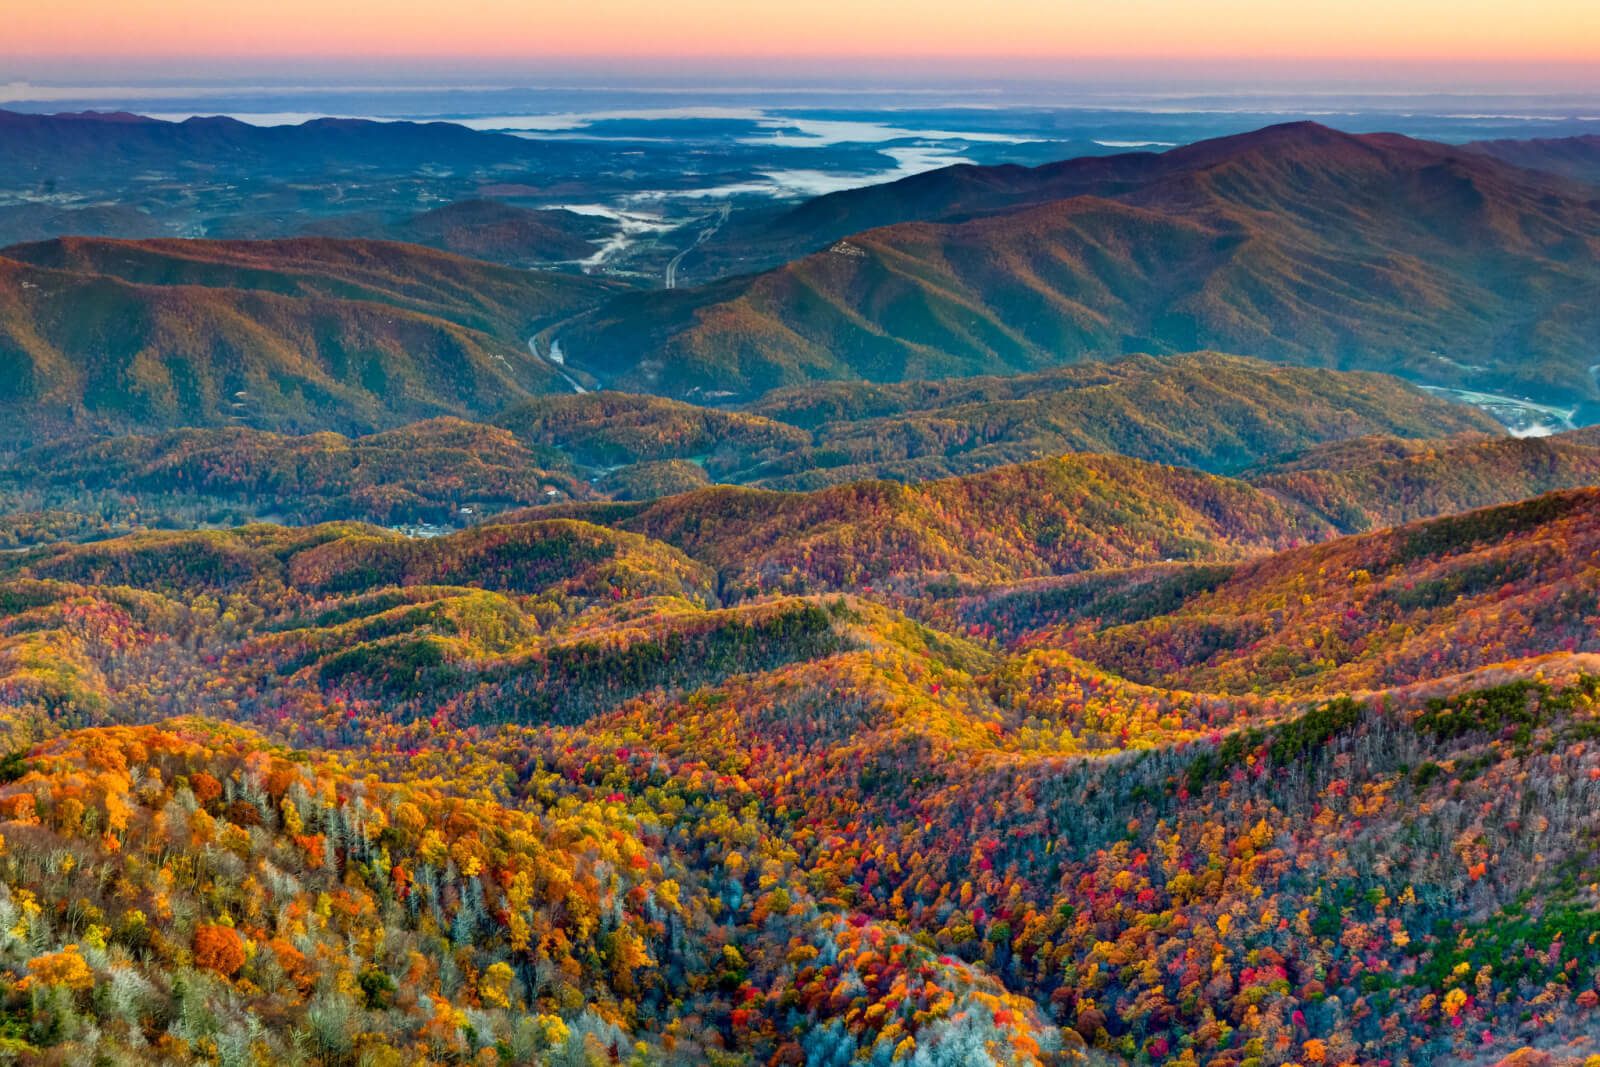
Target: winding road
point(705, 235)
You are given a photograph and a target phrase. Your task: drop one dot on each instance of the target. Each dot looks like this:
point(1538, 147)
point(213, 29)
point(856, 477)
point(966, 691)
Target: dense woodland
point(375, 689)
point(1089, 759)
point(1312, 440)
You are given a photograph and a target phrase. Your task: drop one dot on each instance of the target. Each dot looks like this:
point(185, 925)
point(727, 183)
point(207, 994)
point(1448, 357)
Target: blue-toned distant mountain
point(1577, 158)
point(64, 148)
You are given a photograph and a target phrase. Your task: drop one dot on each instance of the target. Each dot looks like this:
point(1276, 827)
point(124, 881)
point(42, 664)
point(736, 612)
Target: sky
point(1531, 36)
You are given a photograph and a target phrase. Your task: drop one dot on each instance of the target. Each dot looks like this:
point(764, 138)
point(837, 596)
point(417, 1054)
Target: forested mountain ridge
point(1576, 158)
point(1206, 410)
point(1296, 243)
point(68, 146)
point(591, 807)
point(508, 303)
point(1073, 512)
point(300, 335)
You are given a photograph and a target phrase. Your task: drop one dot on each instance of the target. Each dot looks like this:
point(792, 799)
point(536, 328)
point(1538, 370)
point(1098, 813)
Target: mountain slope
point(1298, 244)
point(482, 229)
point(1058, 515)
point(571, 806)
point(1446, 596)
point(89, 352)
point(295, 335)
point(508, 303)
point(1429, 478)
point(607, 429)
point(1206, 410)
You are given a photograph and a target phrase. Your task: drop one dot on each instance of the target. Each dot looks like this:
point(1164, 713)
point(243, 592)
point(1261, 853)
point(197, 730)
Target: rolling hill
point(482, 229)
point(1388, 482)
point(591, 805)
point(1205, 410)
point(308, 335)
point(1448, 596)
point(608, 429)
point(440, 471)
point(1074, 513)
point(1059, 515)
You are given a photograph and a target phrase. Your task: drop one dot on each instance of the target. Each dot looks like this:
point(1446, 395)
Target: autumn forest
point(991, 675)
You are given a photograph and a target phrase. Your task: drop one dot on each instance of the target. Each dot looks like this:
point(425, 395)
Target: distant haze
point(1519, 40)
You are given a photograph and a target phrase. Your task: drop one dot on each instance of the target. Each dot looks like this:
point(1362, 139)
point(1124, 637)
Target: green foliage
point(1283, 744)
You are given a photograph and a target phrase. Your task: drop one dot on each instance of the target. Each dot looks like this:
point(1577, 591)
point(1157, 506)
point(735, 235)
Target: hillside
point(589, 805)
point(440, 471)
point(1428, 478)
point(481, 229)
point(298, 336)
point(1297, 243)
point(509, 304)
point(608, 429)
point(1203, 410)
point(1450, 596)
point(1065, 514)
point(1206, 410)
point(1071, 513)
point(86, 352)
point(1000, 523)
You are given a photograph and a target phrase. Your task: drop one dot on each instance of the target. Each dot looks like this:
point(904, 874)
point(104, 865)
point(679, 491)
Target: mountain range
point(1310, 778)
point(81, 147)
point(376, 690)
point(1296, 243)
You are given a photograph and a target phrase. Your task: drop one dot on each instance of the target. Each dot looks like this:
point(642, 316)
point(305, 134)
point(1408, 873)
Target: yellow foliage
point(494, 988)
point(65, 968)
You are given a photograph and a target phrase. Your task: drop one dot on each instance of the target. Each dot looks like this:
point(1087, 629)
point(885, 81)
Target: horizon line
point(1500, 60)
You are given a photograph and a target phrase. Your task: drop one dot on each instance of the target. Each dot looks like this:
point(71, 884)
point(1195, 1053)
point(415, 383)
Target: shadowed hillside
point(301, 335)
point(482, 229)
point(1577, 158)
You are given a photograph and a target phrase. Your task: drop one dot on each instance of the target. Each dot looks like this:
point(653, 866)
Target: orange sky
point(1417, 30)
